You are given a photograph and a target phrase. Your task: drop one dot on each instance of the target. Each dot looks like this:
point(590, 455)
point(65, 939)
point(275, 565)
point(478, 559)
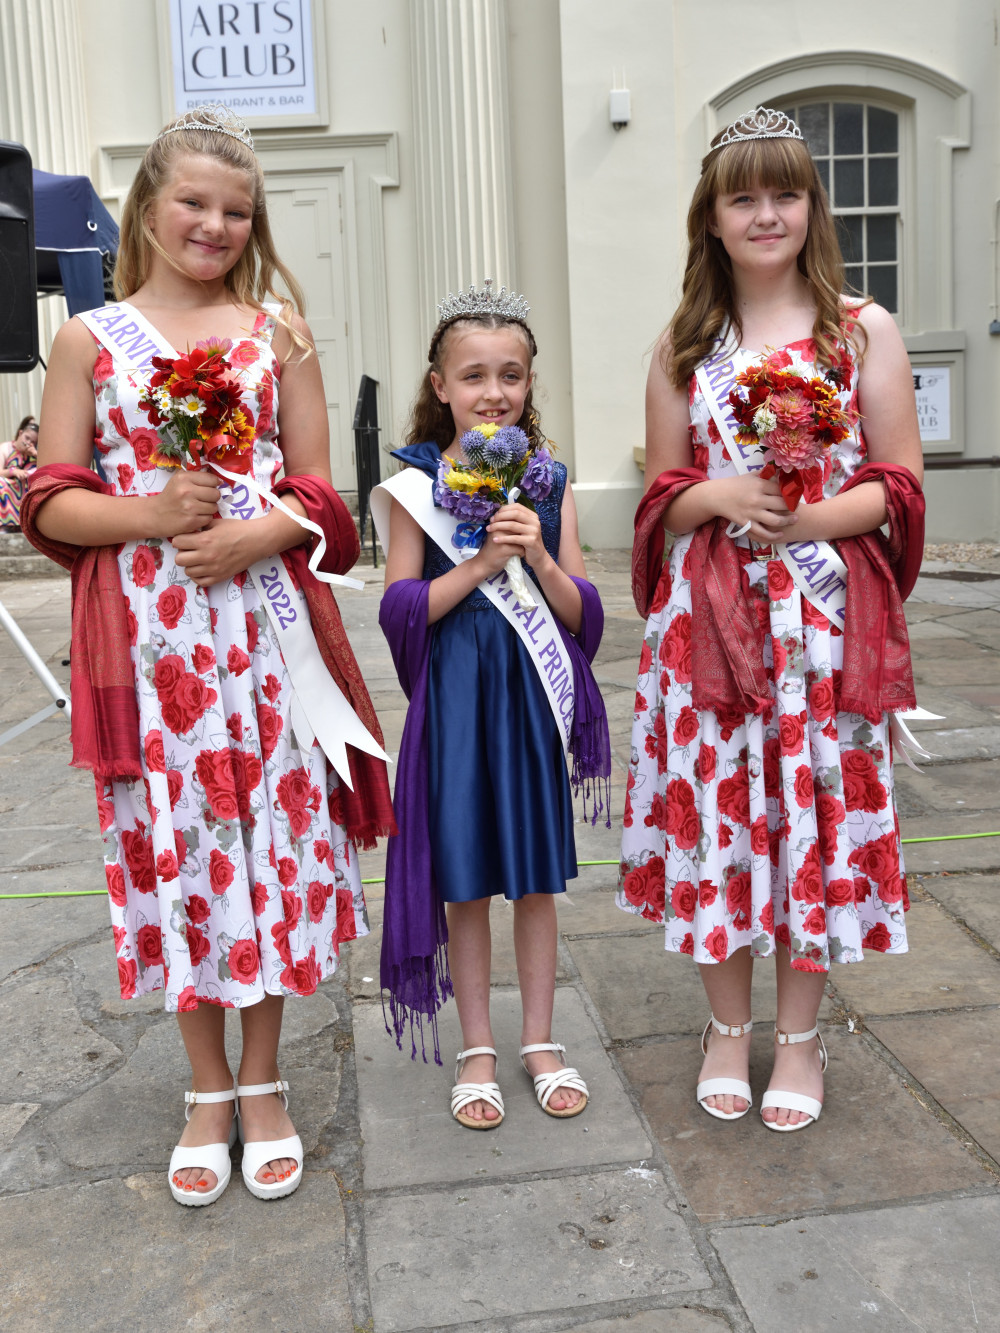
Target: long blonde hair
point(252, 278)
point(708, 299)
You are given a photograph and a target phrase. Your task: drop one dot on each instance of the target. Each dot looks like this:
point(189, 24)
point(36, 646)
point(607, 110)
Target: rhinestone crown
point(213, 116)
point(483, 302)
point(762, 123)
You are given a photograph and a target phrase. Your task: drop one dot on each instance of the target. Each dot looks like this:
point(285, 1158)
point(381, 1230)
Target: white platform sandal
point(464, 1094)
point(795, 1101)
point(721, 1087)
point(546, 1084)
point(256, 1155)
point(212, 1157)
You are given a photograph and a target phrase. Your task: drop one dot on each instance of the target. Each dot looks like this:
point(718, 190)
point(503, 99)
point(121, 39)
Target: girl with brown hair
point(760, 819)
point(229, 838)
point(497, 697)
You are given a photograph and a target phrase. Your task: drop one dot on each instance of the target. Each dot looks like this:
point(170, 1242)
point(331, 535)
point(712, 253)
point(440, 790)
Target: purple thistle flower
point(473, 443)
point(509, 445)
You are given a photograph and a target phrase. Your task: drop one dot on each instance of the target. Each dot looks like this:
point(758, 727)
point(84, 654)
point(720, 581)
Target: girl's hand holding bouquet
point(502, 476)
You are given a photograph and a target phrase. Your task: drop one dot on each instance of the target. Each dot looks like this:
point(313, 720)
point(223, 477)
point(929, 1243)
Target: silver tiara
point(222, 121)
point(485, 302)
point(762, 123)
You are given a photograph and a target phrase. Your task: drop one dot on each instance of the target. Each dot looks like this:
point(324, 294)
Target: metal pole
point(34, 661)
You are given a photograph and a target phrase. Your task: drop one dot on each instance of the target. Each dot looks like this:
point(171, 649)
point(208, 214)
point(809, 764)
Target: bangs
point(775, 164)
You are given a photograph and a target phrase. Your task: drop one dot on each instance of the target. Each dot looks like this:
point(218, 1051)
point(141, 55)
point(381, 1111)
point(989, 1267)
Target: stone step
point(20, 560)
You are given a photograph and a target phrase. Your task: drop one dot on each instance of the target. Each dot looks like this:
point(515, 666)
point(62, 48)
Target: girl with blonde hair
point(229, 838)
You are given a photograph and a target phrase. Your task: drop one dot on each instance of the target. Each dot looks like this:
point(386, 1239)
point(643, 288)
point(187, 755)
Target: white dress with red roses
point(755, 829)
point(230, 873)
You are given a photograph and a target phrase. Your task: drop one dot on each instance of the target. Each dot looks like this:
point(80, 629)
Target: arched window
point(857, 150)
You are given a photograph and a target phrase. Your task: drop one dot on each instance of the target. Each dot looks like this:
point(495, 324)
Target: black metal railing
point(366, 449)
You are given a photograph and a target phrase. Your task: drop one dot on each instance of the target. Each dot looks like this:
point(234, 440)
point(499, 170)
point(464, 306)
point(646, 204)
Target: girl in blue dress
point(482, 793)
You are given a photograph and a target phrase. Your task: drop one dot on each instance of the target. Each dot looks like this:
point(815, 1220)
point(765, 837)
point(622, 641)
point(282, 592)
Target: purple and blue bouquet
point(502, 468)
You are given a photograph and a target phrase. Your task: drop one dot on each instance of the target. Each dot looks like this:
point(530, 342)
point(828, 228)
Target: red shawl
point(726, 639)
point(105, 721)
point(104, 725)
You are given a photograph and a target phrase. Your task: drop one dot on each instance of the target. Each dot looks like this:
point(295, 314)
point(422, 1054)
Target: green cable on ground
point(380, 879)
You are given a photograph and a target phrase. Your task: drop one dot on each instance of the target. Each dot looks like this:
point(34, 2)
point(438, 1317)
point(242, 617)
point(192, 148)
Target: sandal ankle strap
point(278, 1085)
point(793, 1038)
point(732, 1029)
point(194, 1098)
point(542, 1046)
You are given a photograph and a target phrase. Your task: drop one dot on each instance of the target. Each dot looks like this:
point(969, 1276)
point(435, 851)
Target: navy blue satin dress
point(501, 813)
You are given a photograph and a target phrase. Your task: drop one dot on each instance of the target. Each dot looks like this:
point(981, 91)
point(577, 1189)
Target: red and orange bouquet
point(795, 420)
point(195, 402)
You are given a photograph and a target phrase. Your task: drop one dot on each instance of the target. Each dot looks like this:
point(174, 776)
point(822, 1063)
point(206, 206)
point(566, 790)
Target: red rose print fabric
point(741, 831)
point(230, 875)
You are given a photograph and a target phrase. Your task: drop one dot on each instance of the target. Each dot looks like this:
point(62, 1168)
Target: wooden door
point(306, 214)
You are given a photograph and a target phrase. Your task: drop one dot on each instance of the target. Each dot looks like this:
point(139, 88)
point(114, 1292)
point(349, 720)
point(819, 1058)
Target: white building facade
point(416, 146)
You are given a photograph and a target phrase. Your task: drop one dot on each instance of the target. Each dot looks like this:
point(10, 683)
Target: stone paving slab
point(411, 1139)
point(730, 1170)
point(681, 1319)
point(957, 1059)
point(954, 856)
point(944, 969)
point(443, 1257)
point(927, 1267)
point(975, 899)
point(641, 990)
point(31, 930)
point(122, 1255)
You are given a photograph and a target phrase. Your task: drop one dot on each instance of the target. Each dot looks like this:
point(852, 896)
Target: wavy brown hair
point(251, 279)
point(430, 419)
point(707, 297)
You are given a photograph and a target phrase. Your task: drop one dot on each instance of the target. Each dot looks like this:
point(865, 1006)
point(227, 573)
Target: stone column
point(465, 212)
point(42, 106)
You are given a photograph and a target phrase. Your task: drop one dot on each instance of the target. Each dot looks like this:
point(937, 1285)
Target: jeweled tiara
point(222, 121)
point(483, 302)
point(762, 123)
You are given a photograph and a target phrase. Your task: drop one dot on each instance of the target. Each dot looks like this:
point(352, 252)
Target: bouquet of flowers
point(795, 421)
point(502, 468)
point(195, 403)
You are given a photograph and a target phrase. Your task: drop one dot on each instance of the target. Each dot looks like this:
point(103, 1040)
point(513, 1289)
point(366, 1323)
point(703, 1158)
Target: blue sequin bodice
point(436, 562)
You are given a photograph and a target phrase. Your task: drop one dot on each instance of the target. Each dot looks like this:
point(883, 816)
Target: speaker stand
point(60, 699)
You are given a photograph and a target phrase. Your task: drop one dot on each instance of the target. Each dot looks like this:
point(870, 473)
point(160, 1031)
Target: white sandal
point(795, 1101)
point(212, 1157)
point(464, 1094)
point(546, 1084)
point(256, 1155)
point(721, 1087)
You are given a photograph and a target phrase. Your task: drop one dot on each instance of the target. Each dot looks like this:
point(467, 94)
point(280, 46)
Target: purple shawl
point(414, 965)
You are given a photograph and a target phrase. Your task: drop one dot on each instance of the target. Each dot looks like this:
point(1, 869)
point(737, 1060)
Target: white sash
point(536, 626)
point(319, 707)
point(817, 569)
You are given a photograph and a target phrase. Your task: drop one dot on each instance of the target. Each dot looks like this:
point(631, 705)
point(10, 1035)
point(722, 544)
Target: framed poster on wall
point(263, 58)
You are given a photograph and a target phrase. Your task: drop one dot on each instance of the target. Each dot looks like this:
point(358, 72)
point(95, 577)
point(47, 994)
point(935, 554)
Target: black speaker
point(18, 298)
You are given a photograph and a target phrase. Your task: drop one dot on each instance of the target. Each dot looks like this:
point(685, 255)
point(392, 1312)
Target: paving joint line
point(849, 1209)
point(721, 1281)
point(559, 1321)
point(925, 1099)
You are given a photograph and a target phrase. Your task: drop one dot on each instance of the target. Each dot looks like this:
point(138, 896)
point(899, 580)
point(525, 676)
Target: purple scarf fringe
point(414, 961)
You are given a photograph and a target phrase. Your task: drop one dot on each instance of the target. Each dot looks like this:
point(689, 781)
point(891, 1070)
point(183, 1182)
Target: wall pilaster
point(465, 211)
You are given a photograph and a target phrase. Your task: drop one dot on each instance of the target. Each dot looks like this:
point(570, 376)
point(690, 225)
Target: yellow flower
point(487, 429)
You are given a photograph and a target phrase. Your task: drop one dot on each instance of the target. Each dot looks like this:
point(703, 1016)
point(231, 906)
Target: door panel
point(305, 216)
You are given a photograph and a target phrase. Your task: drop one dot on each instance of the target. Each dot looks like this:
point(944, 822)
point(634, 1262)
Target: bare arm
point(668, 445)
